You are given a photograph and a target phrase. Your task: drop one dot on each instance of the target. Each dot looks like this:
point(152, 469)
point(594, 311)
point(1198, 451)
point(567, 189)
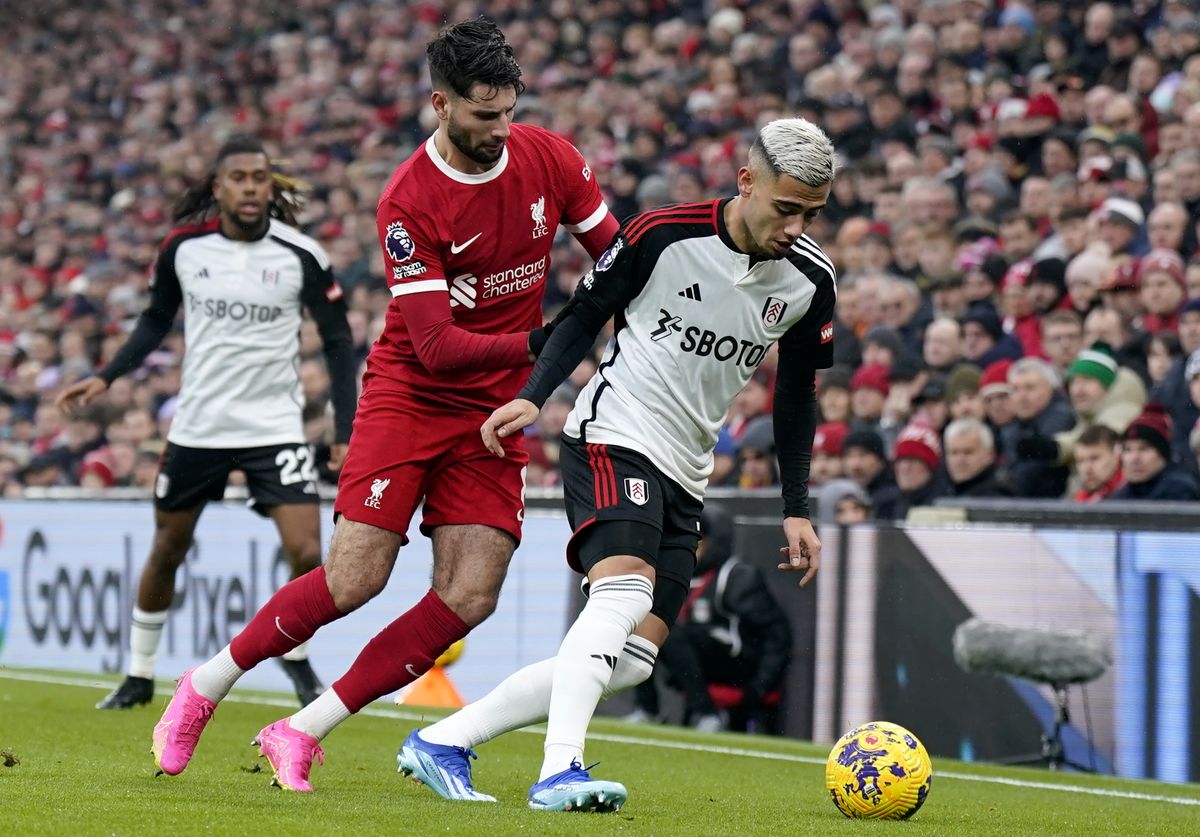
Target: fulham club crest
point(773, 310)
point(636, 491)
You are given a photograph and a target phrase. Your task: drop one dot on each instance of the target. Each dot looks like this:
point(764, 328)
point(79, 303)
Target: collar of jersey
point(462, 177)
point(727, 239)
point(722, 230)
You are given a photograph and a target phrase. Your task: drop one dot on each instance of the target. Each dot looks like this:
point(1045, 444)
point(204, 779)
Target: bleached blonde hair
point(797, 148)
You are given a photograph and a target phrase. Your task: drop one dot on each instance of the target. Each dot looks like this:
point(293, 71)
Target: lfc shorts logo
point(636, 491)
point(377, 489)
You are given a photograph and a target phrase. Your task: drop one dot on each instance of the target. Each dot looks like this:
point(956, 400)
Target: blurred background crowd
point(1014, 224)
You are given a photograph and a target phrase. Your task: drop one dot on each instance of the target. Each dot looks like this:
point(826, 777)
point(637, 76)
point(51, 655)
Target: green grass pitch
point(69, 769)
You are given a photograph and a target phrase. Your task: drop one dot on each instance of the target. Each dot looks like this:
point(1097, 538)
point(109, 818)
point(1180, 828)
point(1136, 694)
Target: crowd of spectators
point(1014, 223)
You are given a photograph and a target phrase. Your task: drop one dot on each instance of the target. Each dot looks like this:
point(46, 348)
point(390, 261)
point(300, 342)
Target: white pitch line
point(644, 742)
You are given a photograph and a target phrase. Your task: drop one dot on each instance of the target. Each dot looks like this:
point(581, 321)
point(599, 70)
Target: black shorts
point(275, 475)
point(619, 503)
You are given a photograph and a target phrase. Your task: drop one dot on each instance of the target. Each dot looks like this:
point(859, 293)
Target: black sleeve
point(603, 292)
point(807, 347)
point(155, 322)
point(323, 298)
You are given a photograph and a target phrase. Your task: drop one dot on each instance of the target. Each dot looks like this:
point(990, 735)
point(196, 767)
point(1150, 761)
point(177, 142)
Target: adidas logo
point(691, 293)
point(609, 659)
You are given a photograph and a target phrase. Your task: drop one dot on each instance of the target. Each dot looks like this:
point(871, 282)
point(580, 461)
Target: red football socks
point(401, 652)
point(289, 618)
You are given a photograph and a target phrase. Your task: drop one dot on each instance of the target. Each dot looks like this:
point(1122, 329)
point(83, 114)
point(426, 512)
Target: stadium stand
point(1001, 162)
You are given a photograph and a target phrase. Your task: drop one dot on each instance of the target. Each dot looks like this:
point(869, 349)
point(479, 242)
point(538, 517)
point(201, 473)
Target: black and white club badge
point(636, 491)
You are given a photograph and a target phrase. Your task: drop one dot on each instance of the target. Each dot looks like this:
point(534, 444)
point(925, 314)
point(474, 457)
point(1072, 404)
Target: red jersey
point(467, 255)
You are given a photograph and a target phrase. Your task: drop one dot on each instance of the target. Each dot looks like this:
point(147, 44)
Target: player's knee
point(350, 597)
point(352, 590)
point(304, 555)
point(170, 547)
point(473, 605)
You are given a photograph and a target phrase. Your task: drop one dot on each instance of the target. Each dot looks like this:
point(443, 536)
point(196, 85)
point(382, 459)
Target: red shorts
point(403, 452)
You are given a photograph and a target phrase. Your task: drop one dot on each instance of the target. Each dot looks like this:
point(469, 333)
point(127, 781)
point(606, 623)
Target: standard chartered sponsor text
point(513, 280)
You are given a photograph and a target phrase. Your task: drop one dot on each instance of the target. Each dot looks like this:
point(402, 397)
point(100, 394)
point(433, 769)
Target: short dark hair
point(1016, 216)
point(1074, 213)
point(240, 144)
point(473, 52)
point(1099, 434)
point(1062, 316)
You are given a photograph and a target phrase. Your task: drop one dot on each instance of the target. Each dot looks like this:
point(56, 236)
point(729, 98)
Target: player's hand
point(85, 392)
point(509, 419)
point(803, 551)
point(337, 455)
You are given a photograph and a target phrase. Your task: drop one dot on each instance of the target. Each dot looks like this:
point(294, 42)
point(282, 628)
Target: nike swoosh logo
point(285, 633)
point(458, 248)
point(409, 666)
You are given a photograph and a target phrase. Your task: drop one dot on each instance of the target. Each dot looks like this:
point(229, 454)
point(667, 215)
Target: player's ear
point(745, 181)
point(441, 104)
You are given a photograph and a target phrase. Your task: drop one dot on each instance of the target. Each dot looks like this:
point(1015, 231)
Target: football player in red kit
point(466, 225)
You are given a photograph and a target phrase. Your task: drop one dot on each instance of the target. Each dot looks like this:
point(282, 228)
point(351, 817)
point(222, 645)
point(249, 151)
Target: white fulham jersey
point(695, 318)
point(242, 308)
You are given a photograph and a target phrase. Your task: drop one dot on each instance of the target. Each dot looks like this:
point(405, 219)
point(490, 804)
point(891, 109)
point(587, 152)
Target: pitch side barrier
point(1110, 514)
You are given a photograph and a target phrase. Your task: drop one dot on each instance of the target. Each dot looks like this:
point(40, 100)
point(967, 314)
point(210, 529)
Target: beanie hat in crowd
point(836, 377)
point(919, 442)
point(985, 318)
point(1095, 362)
point(871, 376)
point(886, 337)
point(963, 380)
point(1124, 211)
point(99, 462)
point(867, 440)
point(829, 438)
point(1162, 260)
point(1153, 427)
point(1017, 276)
point(995, 378)
point(759, 435)
point(1049, 271)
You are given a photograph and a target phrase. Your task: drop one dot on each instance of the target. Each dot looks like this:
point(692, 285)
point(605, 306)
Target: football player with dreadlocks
point(244, 276)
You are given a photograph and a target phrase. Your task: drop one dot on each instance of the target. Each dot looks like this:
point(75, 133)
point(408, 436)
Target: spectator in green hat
point(1102, 393)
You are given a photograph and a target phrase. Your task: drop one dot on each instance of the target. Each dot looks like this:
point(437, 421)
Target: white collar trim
point(462, 177)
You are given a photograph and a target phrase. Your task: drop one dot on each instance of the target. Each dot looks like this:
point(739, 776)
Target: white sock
point(320, 717)
point(634, 666)
point(524, 699)
point(145, 630)
point(586, 662)
point(300, 652)
point(215, 678)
